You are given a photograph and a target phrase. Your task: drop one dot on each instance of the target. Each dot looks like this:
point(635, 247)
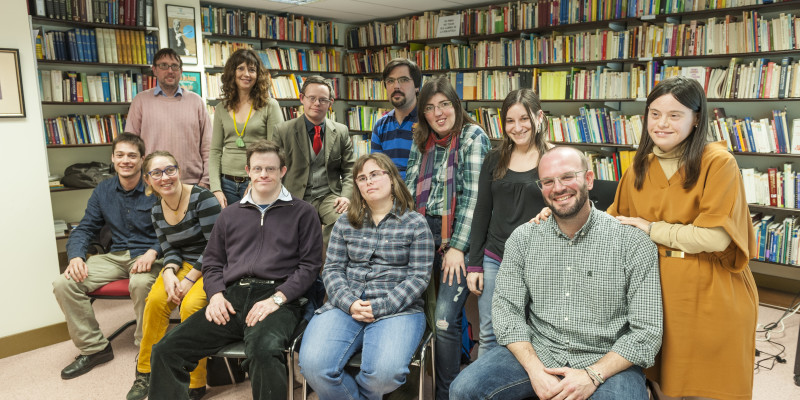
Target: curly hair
point(259, 93)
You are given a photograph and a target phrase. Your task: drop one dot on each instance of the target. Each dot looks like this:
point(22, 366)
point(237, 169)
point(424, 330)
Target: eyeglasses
point(372, 176)
point(401, 80)
point(445, 105)
point(268, 170)
point(564, 179)
point(170, 170)
point(165, 66)
point(322, 100)
point(242, 68)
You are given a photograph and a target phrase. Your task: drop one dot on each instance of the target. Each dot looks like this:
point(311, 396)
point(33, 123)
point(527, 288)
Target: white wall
point(27, 243)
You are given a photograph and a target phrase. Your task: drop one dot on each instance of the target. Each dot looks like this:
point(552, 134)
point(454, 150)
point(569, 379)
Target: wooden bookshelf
point(267, 41)
point(84, 24)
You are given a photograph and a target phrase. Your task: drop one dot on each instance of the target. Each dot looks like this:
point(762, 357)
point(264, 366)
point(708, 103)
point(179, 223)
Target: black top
point(502, 206)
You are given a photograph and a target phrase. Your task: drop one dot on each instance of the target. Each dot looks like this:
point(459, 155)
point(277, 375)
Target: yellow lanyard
point(239, 140)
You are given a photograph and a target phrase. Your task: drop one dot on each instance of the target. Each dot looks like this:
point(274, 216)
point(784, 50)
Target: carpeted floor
point(35, 374)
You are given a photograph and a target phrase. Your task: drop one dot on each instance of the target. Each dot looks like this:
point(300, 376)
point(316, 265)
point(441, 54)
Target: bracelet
point(596, 375)
point(187, 278)
point(173, 269)
point(594, 382)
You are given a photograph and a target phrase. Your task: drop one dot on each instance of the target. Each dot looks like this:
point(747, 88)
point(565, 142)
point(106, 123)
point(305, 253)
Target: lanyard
point(239, 140)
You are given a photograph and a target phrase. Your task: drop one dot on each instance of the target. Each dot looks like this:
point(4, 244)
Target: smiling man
point(263, 255)
point(319, 154)
point(577, 303)
point(120, 203)
point(170, 118)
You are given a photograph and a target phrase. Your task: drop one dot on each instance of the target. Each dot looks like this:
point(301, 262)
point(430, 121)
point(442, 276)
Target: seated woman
point(378, 266)
point(183, 219)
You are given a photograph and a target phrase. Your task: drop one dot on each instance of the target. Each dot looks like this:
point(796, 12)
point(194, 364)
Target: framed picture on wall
point(191, 81)
point(12, 103)
point(181, 32)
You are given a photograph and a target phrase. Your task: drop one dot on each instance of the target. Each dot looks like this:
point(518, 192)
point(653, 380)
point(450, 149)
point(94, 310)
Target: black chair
point(603, 193)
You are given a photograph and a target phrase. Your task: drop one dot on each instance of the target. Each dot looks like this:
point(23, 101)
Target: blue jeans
point(386, 348)
point(498, 375)
point(487, 338)
point(449, 303)
point(234, 191)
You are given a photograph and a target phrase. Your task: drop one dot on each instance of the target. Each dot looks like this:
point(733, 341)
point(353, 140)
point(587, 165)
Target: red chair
point(117, 290)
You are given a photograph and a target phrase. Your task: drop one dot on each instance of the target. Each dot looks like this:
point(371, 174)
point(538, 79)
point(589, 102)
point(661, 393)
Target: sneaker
point(197, 393)
point(140, 387)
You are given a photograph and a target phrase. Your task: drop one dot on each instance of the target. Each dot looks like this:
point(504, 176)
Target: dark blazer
point(292, 137)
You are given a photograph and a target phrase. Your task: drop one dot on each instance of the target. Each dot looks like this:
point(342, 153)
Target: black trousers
point(195, 338)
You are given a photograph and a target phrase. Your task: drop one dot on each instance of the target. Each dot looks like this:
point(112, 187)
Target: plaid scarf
point(451, 142)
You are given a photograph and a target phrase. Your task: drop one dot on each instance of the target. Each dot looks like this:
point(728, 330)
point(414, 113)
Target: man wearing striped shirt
point(588, 317)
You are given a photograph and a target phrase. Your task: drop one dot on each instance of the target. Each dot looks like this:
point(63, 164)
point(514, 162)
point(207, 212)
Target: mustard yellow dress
point(710, 299)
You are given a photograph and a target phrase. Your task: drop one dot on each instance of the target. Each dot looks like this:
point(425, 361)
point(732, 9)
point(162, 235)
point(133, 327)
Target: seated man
point(122, 204)
point(588, 317)
point(263, 255)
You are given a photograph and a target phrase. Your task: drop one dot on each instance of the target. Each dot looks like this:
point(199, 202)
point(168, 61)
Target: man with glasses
point(262, 257)
point(170, 118)
point(121, 204)
point(319, 154)
point(577, 303)
point(392, 133)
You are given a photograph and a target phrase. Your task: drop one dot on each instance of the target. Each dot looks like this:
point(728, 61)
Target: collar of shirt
point(392, 213)
point(139, 186)
point(411, 117)
point(310, 128)
point(157, 91)
point(285, 196)
point(585, 228)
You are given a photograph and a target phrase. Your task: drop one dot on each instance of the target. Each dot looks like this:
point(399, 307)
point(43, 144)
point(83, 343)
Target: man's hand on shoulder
point(218, 309)
point(144, 262)
point(76, 270)
point(576, 384)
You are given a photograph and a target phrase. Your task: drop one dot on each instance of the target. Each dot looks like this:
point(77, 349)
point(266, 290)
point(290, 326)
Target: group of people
point(573, 302)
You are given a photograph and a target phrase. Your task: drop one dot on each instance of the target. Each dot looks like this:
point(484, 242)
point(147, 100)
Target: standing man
point(577, 303)
point(392, 134)
point(121, 203)
point(263, 255)
point(172, 119)
point(319, 155)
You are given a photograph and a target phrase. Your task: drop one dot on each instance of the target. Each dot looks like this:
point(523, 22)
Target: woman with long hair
point(183, 219)
point(507, 198)
point(244, 115)
point(442, 176)
point(377, 267)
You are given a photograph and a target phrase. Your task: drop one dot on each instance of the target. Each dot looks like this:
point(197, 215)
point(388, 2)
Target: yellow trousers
point(156, 320)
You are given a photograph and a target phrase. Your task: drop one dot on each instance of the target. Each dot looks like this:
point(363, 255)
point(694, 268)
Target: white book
point(748, 178)
point(796, 136)
point(112, 85)
point(57, 84)
point(91, 87)
point(98, 88)
point(47, 89)
point(788, 185)
point(101, 45)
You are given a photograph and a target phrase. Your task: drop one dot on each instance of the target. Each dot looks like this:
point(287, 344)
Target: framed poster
point(181, 32)
point(12, 103)
point(191, 81)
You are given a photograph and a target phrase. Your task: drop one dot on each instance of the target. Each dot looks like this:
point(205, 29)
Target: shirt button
point(567, 294)
point(569, 268)
point(387, 241)
point(566, 318)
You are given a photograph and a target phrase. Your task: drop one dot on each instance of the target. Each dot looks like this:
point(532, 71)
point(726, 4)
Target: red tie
point(317, 145)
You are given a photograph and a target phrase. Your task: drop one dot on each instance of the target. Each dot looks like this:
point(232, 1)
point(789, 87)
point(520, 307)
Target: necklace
point(239, 136)
point(180, 199)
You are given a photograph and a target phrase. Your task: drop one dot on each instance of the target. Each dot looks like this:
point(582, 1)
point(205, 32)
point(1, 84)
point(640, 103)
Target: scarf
point(451, 143)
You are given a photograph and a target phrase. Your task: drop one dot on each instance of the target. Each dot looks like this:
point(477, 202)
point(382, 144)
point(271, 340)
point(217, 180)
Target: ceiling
point(356, 11)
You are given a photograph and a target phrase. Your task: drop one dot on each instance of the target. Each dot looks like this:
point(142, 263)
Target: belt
point(237, 179)
point(249, 279)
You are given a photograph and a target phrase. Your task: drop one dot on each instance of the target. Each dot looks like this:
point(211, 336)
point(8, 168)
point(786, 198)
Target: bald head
point(560, 154)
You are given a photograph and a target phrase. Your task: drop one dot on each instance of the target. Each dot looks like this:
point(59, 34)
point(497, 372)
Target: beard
point(399, 102)
point(570, 211)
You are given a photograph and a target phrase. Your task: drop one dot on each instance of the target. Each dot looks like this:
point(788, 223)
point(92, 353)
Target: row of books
point(646, 41)
point(518, 15)
point(105, 87)
point(776, 187)
point(117, 12)
point(489, 119)
point(215, 54)
point(237, 22)
point(96, 45)
point(361, 145)
point(596, 125)
point(83, 129)
point(363, 118)
point(610, 168)
point(322, 60)
point(778, 239)
point(757, 135)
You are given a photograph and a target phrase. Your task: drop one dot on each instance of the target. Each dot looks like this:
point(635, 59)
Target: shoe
point(84, 364)
point(140, 387)
point(197, 393)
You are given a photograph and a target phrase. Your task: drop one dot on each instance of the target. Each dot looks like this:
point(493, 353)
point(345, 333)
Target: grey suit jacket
point(292, 137)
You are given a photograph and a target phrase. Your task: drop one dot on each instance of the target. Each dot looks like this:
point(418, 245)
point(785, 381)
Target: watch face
point(277, 299)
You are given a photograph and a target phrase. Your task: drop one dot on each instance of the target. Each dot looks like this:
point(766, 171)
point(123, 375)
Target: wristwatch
point(277, 299)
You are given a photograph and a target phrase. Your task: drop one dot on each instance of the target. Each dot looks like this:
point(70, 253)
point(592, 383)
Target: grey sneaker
point(140, 387)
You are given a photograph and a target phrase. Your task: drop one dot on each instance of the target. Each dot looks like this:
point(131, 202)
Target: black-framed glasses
point(169, 170)
point(564, 179)
point(165, 66)
point(401, 80)
point(372, 176)
point(445, 105)
point(323, 101)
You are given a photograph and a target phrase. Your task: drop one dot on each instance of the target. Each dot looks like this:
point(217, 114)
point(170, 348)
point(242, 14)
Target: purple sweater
point(286, 244)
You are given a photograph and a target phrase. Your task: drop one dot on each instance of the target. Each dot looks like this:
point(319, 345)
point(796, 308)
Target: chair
point(117, 290)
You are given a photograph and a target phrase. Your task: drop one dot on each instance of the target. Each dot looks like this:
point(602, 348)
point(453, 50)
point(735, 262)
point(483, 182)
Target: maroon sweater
point(286, 244)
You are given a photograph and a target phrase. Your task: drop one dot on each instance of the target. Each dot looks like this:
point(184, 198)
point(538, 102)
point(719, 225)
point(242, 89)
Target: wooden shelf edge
point(63, 22)
point(64, 146)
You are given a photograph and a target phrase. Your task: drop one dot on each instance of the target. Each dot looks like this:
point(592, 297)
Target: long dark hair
point(438, 84)
point(402, 197)
point(259, 93)
point(528, 99)
point(690, 94)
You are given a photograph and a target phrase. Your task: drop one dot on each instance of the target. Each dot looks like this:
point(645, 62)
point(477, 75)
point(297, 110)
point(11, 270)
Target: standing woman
point(374, 287)
point(507, 198)
point(245, 115)
point(442, 176)
point(183, 219)
point(688, 195)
